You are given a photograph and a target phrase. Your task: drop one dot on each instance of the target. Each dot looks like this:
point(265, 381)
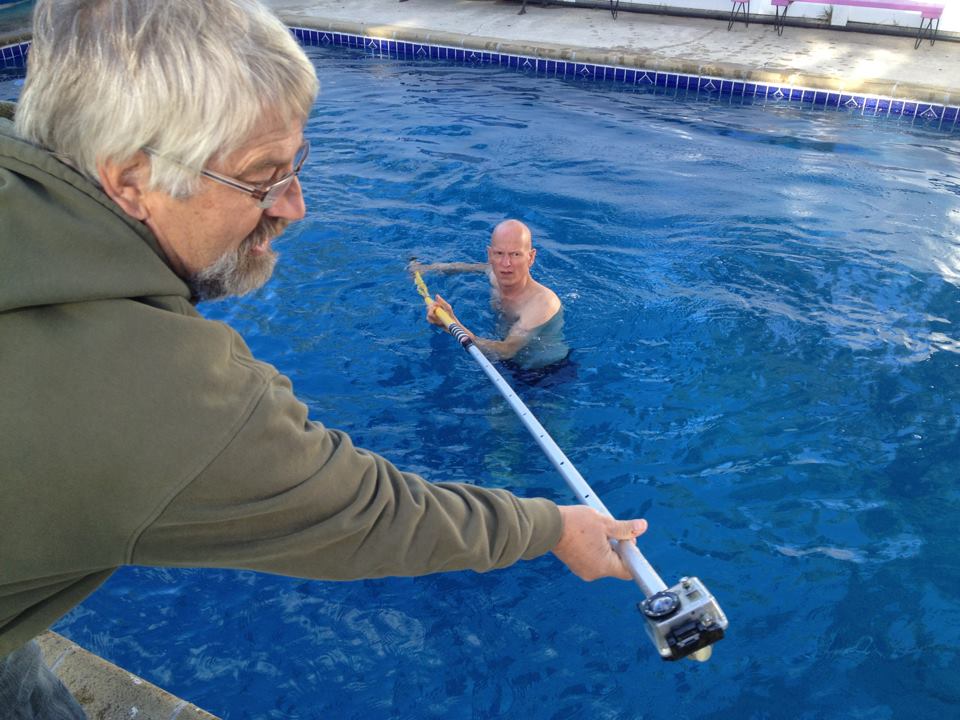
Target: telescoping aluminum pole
point(682, 621)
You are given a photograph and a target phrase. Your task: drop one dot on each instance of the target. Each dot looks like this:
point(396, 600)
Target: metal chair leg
point(927, 31)
point(779, 19)
point(740, 5)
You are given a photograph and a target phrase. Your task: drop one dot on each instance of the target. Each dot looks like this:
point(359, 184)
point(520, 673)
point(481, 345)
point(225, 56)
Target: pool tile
point(849, 102)
point(947, 117)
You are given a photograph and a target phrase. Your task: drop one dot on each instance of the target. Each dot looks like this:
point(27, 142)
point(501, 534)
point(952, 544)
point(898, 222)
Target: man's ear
point(533, 255)
point(125, 183)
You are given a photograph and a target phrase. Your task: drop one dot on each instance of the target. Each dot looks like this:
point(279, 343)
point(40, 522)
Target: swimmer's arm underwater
point(504, 349)
point(446, 268)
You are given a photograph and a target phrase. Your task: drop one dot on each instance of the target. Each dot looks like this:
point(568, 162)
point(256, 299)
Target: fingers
point(584, 545)
point(626, 529)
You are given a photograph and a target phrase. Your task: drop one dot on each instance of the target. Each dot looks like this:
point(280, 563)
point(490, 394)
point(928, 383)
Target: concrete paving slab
point(107, 692)
point(804, 57)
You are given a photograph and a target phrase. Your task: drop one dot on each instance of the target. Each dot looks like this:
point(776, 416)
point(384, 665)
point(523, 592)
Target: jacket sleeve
point(288, 496)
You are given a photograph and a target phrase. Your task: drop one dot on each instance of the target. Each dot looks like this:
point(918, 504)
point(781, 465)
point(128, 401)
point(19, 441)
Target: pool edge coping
point(631, 60)
point(390, 41)
point(106, 690)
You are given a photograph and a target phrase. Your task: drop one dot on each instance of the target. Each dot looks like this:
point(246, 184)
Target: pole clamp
point(460, 334)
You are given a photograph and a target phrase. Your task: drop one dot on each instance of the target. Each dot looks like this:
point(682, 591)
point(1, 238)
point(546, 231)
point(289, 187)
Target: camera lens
point(660, 605)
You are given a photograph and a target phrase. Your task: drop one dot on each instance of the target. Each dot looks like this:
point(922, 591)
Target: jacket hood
point(63, 240)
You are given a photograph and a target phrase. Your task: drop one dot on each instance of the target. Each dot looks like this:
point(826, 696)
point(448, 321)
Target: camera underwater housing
point(684, 620)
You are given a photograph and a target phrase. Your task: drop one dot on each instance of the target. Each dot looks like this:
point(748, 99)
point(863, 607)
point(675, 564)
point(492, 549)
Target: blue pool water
point(764, 303)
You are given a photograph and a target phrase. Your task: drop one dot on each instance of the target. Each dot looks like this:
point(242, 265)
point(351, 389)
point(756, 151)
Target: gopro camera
point(684, 620)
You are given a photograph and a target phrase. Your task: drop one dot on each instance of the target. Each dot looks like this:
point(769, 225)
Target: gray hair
point(190, 79)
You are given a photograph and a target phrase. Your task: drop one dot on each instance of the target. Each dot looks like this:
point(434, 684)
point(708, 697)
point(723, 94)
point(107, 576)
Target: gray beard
point(239, 271)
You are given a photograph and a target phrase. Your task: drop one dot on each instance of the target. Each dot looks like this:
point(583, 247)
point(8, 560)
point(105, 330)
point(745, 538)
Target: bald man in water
point(531, 315)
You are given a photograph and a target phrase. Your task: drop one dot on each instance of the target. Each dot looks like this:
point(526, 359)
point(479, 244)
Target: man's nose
point(290, 205)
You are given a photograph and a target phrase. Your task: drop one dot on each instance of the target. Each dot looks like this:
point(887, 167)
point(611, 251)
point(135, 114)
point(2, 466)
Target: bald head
point(511, 231)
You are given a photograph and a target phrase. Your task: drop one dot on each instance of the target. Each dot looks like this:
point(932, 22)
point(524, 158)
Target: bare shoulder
point(541, 306)
point(551, 300)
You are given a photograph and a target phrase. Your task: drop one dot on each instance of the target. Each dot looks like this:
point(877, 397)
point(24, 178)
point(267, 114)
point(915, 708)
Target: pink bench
point(928, 13)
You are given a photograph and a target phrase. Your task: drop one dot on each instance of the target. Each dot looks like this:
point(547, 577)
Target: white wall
point(950, 22)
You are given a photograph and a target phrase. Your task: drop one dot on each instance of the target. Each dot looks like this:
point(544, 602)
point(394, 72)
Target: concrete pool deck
point(819, 58)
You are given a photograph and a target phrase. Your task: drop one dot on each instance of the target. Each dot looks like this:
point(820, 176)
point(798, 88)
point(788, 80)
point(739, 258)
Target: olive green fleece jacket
point(133, 431)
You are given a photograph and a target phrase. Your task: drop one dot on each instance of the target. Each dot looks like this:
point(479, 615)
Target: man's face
point(510, 256)
point(218, 240)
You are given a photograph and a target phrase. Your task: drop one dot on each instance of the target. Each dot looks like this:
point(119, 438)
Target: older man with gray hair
point(154, 155)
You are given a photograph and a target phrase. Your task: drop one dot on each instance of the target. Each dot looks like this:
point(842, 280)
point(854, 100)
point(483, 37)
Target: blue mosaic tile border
point(944, 117)
point(14, 56)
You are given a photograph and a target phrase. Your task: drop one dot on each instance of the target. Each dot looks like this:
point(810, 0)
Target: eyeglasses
point(266, 194)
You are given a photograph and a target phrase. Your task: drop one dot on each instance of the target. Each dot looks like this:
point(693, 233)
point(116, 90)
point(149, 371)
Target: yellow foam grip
point(422, 289)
